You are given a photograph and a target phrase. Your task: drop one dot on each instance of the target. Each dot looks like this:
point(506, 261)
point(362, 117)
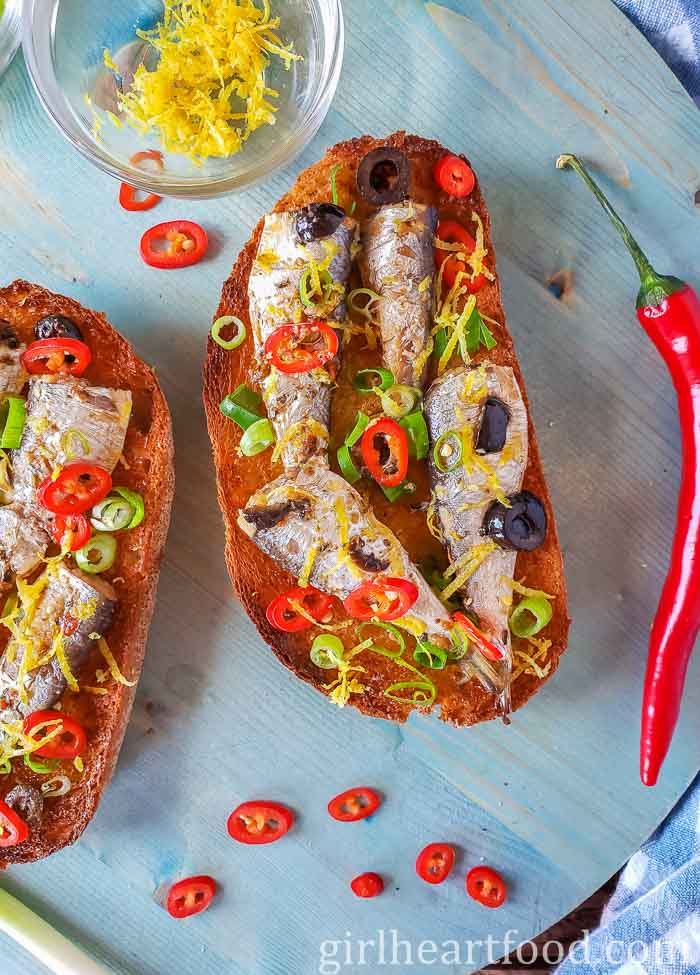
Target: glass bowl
point(10, 20)
point(63, 45)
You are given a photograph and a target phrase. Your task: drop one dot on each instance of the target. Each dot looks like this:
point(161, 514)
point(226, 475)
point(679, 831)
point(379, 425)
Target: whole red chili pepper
point(669, 311)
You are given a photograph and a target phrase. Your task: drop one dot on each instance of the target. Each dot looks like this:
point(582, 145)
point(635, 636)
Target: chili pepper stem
point(654, 286)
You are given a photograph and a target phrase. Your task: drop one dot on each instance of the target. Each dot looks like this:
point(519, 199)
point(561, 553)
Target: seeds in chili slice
point(435, 862)
point(69, 744)
point(56, 355)
point(190, 896)
point(385, 598)
point(367, 885)
point(13, 829)
point(186, 242)
point(384, 449)
point(259, 822)
point(77, 525)
point(454, 176)
point(285, 617)
point(302, 346)
point(77, 488)
point(354, 804)
point(486, 886)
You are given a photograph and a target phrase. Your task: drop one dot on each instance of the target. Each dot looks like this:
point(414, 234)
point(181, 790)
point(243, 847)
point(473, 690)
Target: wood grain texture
point(555, 800)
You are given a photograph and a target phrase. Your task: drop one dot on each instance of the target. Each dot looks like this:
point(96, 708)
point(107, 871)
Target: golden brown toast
point(256, 578)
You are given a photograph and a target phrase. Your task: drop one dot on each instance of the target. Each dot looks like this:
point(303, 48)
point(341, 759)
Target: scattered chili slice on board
point(57, 355)
point(259, 822)
point(127, 193)
point(384, 448)
point(354, 804)
point(69, 744)
point(285, 617)
point(435, 862)
point(454, 176)
point(190, 896)
point(486, 886)
point(13, 829)
point(485, 646)
point(300, 347)
point(77, 488)
point(367, 885)
point(183, 243)
point(76, 525)
point(384, 598)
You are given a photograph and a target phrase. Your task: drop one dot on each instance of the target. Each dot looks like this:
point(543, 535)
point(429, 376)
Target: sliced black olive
point(8, 336)
point(494, 427)
point(57, 327)
point(523, 526)
point(383, 176)
point(318, 220)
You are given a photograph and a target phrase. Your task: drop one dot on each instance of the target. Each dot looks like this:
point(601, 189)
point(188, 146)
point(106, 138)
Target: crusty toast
point(147, 467)
point(256, 578)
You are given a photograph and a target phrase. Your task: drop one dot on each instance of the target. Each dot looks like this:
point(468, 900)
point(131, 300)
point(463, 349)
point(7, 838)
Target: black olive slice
point(383, 176)
point(318, 220)
point(523, 526)
point(494, 427)
point(57, 327)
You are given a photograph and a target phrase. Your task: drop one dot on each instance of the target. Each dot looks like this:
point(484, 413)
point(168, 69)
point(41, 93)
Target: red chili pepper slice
point(454, 176)
point(58, 355)
point(384, 598)
point(127, 193)
point(71, 742)
point(259, 822)
point(190, 896)
point(486, 886)
point(13, 829)
point(302, 346)
point(354, 804)
point(367, 885)
point(435, 862)
point(283, 616)
point(76, 489)
point(187, 243)
point(77, 525)
point(384, 448)
point(452, 232)
point(490, 650)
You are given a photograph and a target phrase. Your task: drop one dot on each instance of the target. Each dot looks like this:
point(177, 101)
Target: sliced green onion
point(530, 616)
point(220, 324)
point(5, 767)
point(415, 426)
point(353, 207)
point(136, 502)
point(67, 440)
point(242, 406)
point(308, 296)
point(447, 452)
point(363, 310)
point(372, 380)
point(440, 343)
point(257, 437)
point(391, 629)
point(327, 651)
point(427, 654)
point(98, 554)
point(12, 418)
point(424, 692)
point(123, 508)
point(334, 189)
point(361, 424)
point(394, 493)
point(347, 465)
point(46, 767)
point(458, 650)
point(399, 400)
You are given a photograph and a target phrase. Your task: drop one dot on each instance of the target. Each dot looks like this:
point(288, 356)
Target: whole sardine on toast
point(284, 254)
point(396, 260)
point(467, 401)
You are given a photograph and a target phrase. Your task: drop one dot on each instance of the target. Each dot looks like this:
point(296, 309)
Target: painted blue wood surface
point(554, 801)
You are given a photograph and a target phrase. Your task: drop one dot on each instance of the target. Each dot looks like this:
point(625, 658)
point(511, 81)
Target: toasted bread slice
point(146, 467)
point(256, 578)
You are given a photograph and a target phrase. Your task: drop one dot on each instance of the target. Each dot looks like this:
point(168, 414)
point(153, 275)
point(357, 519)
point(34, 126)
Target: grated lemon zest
point(305, 573)
point(113, 665)
point(299, 430)
point(466, 565)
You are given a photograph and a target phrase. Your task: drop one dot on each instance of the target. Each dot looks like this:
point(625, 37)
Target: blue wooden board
point(554, 801)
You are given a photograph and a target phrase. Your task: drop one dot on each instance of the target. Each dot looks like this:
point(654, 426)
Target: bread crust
point(255, 577)
point(149, 454)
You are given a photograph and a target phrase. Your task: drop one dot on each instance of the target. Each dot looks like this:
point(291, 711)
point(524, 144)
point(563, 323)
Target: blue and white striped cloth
point(651, 925)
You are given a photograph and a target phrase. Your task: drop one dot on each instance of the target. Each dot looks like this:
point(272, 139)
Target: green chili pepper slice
point(427, 654)
point(327, 651)
point(13, 414)
point(45, 767)
point(372, 380)
point(447, 452)
point(257, 437)
point(98, 554)
point(242, 406)
point(417, 429)
point(220, 324)
point(530, 616)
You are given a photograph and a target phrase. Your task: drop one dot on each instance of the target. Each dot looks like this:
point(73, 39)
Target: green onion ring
point(363, 380)
point(361, 424)
point(399, 400)
point(111, 515)
point(424, 692)
point(427, 654)
point(258, 437)
point(530, 616)
point(327, 651)
point(347, 465)
point(449, 463)
point(98, 554)
point(417, 429)
point(241, 406)
point(390, 628)
point(326, 281)
point(220, 324)
point(458, 650)
point(5, 767)
point(46, 767)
